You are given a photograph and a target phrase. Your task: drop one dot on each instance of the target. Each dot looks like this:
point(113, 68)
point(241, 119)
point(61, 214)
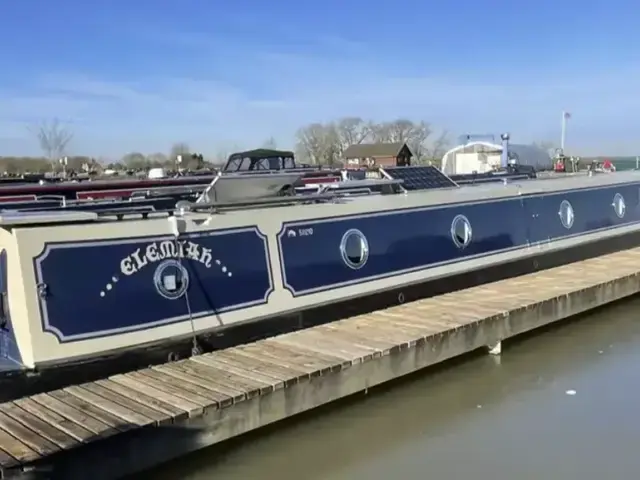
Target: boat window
point(461, 232)
point(171, 279)
point(566, 214)
point(619, 205)
point(267, 163)
point(234, 165)
point(354, 249)
point(261, 159)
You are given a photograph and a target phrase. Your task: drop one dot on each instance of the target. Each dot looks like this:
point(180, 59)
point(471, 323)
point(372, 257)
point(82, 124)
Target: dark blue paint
point(410, 240)
point(9, 351)
point(76, 274)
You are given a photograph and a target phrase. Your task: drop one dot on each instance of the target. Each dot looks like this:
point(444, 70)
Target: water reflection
point(482, 419)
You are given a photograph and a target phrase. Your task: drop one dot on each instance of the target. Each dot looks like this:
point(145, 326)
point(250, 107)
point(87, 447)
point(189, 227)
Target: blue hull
point(104, 288)
point(406, 241)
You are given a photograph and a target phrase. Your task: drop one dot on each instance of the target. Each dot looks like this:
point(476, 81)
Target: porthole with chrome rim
point(619, 205)
point(354, 249)
point(461, 231)
point(566, 214)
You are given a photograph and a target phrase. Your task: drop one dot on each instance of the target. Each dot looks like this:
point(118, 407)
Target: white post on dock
point(563, 132)
point(637, 163)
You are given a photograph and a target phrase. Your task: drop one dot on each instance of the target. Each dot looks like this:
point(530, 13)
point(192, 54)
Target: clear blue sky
point(139, 75)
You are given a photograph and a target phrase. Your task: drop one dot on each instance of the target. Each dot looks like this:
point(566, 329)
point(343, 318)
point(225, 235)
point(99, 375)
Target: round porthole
point(461, 232)
point(354, 248)
point(566, 214)
point(619, 206)
point(171, 279)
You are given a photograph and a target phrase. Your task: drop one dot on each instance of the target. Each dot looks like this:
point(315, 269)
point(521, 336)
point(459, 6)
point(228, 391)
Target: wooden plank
point(169, 411)
point(68, 426)
point(290, 369)
point(129, 415)
point(390, 329)
point(230, 367)
point(224, 397)
point(424, 323)
point(258, 366)
point(79, 417)
point(16, 450)
point(264, 384)
point(191, 407)
point(373, 336)
point(323, 344)
point(191, 372)
point(443, 320)
point(434, 324)
point(188, 388)
point(392, 320)
point(32, 439)
point(224, 379)
point(337, 362)
point(308, 345)
point(333, 340)
point(481, 307)
point(95, 411)
point(298, 357)
point(299, 365)
point(172, 385)
point(397, 329)
point(363, 336)
point(45, 429)
point(6, 460)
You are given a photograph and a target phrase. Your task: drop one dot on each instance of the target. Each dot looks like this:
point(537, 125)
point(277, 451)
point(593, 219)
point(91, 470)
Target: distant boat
point(37, 187)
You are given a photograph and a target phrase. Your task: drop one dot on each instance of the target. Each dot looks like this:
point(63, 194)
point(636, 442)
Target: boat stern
point(15, 337)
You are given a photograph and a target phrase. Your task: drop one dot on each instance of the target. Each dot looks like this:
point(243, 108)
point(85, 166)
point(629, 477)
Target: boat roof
point(331, 206)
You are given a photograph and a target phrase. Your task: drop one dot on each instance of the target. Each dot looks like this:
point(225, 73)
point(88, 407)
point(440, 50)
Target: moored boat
point(86, 285)
point(92, 281)
point(56, 191)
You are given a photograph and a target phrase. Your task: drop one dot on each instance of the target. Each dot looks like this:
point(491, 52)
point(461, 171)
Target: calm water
point(484, 419)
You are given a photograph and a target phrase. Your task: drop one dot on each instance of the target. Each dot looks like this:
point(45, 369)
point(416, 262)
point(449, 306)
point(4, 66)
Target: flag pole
point(563, 131)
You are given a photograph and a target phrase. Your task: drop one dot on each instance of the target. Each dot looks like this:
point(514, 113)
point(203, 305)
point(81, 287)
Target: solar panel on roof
point(423, 177)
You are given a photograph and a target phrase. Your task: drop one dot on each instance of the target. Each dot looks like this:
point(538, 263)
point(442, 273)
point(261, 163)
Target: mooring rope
point(195, 346)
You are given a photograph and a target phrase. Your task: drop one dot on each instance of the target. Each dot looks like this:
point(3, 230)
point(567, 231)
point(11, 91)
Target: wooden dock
point(130, 422)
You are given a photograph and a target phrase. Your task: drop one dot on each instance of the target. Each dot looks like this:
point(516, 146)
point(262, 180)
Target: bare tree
point(352, 131)
point(157, 159)
point(400, 131)
point(53, 138)
point(414, 134)
point(324, 144)
point(435, 150)
point(318, 144)
point(135, 160)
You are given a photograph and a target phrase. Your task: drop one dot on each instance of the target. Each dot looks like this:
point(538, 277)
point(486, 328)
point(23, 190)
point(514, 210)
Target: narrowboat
point(88, 285)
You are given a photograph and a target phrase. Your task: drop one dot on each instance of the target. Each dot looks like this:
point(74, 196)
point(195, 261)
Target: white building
point(482, 156)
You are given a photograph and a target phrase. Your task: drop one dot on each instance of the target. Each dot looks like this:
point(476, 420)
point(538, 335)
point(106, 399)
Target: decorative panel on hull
point(140, 283)
point(423, 177)
point(408, 240)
